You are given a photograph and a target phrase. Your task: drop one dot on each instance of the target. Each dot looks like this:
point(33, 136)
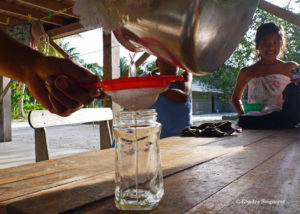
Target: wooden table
point(252, 172)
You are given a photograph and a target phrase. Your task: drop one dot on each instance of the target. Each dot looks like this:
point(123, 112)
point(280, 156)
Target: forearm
point(15, 58)
point(237, 104)
point(176, 95)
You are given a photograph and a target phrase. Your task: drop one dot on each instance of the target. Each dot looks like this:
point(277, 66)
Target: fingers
point(66, 96)
point(96, 93)
point(60, 103)
point(54, 82)
point(60, 109)
point(41, 92)
point(61, 97)
point(72, 90)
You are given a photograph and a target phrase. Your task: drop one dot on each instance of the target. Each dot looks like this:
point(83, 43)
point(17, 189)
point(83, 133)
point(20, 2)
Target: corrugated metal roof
point(199, 86)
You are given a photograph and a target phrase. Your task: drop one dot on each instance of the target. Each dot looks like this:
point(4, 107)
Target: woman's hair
point(271, 28)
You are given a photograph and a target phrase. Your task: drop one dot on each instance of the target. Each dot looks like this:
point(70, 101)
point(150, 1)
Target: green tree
point(124, 65)
point(95, 68)
point(150, 66)
point(143, 69)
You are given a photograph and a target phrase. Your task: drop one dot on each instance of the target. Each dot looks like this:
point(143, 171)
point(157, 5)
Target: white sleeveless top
point(267, 90)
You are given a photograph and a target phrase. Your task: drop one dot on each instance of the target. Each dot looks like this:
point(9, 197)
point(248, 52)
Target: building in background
point(206, 99)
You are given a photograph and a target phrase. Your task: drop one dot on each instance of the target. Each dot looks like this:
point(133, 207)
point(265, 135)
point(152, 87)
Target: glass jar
point(138, 178)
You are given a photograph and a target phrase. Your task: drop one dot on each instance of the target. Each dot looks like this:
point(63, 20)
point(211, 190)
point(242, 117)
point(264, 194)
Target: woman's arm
point(53, 81)
point(16, 59)
point(182, 94)
point(239, 89)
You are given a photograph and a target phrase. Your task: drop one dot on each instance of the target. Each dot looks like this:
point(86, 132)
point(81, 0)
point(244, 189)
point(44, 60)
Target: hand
point(54, 82)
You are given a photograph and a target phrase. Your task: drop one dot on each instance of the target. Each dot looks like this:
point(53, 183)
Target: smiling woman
point(268, 77)
point(268, 36)
point(269, 84)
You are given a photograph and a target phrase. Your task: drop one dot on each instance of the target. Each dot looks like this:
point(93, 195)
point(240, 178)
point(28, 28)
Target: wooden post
point(105, 134)
point(111, 70)
point(41, 144)
point(5, 111)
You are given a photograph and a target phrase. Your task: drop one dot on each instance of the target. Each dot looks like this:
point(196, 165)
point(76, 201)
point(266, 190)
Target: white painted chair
point(40, 119)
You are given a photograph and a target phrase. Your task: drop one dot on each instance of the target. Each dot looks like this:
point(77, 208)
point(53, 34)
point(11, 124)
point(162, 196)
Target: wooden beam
point(59, 49)
point(52, 6)
point(20, 11)
point(280, 12)
point(66, 30)
point(12, 20)
point(142, 59)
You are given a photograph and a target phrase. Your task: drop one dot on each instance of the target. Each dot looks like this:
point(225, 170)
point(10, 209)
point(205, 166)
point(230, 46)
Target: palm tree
point(124, 65)
point(95, 68)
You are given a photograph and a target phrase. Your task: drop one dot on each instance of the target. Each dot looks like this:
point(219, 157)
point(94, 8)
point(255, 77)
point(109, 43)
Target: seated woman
point(266, 80)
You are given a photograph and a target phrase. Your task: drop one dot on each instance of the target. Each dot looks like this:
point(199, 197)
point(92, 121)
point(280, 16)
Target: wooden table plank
point(52, 173)
point(45, 168)
point(168, 146)
point(273, 187)
point(179, 153)
point(190, 187)
point(54, 179)
point(64, 197)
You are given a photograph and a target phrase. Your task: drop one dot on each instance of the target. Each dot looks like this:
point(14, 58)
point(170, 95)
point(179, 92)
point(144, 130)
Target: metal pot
point(196, 35)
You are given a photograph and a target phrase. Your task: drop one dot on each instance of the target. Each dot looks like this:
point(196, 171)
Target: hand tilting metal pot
point(196, 35)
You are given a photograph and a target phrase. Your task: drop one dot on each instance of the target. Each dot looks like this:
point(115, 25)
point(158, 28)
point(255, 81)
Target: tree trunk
point(21, 109)
point(280, 12)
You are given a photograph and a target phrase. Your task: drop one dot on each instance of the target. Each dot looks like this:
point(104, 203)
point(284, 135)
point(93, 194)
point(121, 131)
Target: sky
point(90, 47)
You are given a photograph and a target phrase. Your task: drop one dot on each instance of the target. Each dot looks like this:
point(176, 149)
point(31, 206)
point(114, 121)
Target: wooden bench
point(40, 119)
